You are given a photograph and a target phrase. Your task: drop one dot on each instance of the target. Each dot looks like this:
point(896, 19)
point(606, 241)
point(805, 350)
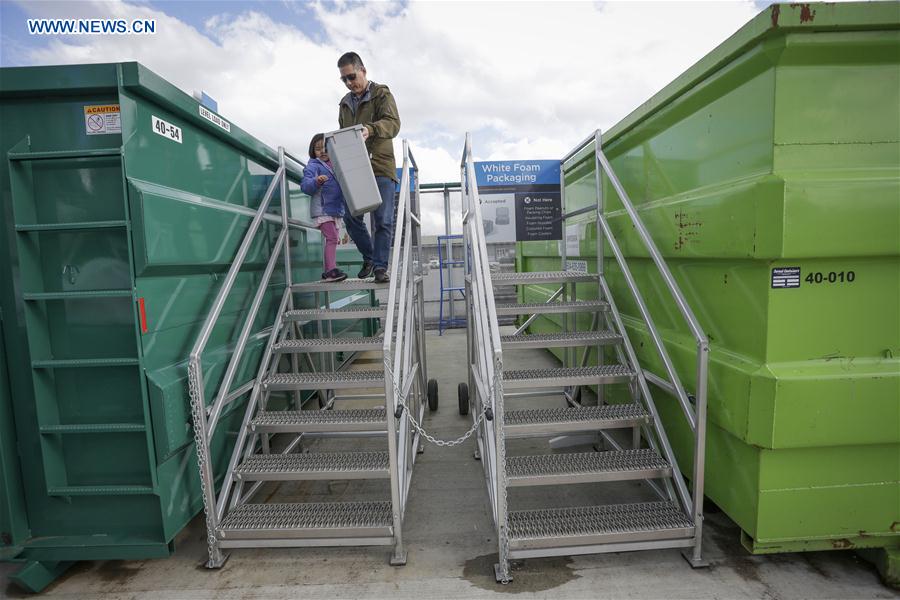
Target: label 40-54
point(166, 129)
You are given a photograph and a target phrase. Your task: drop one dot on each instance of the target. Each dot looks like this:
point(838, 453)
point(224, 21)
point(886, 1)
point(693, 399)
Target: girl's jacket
point(327, 199)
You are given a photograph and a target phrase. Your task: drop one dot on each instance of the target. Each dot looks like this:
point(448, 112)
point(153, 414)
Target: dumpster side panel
point(803, 439)
point(119, 259)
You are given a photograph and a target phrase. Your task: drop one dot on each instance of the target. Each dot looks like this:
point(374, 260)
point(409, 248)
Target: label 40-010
point(831, 277)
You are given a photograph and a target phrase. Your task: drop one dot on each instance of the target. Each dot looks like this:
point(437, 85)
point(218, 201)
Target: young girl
point(327, 203)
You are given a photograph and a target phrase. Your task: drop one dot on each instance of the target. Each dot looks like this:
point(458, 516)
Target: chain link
point(421, 430)
point(196, 412)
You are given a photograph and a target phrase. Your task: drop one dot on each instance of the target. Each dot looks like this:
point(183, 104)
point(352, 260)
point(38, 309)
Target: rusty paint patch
point(776, 12)
point(895, 526)
point(807, 15)
point(841, 544)
point(688, 229)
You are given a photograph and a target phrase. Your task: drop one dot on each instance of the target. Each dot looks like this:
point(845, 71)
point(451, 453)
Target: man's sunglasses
point(350, 77)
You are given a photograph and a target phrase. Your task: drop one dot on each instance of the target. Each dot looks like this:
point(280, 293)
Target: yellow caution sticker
point(102, 119)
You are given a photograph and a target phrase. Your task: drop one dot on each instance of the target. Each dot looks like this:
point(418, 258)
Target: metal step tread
point(268, 519)
point(612, 465)
point(571, 419)
point(569, 338)
point(530, 308)
point(347, 312)
point(323, 380)
point(594, 521)
point(338, 286)
point(530, 378)
point(360, 419)
point(314, 465)
point(541, 277)
point(315, 344)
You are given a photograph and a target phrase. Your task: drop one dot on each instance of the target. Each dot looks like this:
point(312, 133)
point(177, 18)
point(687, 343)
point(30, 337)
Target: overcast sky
point(528, 79)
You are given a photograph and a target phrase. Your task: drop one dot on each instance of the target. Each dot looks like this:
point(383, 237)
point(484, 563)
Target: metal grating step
point(547, 308)
point(299, 421)
point(551, 421)
point(314, 466)
point(341, 344)
point(546, 378)
point(586, 467)
point(560, 340)
point(326, 314)
point(308, 520)
point(540, 277)
point(324, 381)
point(346, 285)
point(559, 527)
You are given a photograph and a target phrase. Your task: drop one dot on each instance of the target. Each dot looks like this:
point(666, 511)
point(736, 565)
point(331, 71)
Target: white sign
point(102, 119)
point(573, 239)
point(498, 217)
point(576, 266)
point(166, 129)
point(214, 118)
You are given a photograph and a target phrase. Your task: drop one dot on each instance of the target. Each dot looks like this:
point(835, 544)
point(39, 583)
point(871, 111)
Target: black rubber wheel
point(462, 395)
point(432, 395)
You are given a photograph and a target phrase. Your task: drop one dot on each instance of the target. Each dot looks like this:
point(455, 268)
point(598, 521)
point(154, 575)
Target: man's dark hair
point(351, 58)
point(312, 144)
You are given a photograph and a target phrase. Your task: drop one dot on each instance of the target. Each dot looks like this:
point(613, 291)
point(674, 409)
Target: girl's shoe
point(334, 275)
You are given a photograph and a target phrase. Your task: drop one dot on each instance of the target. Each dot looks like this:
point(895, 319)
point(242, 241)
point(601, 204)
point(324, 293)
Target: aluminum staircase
point(280, 438)
point(634, 444)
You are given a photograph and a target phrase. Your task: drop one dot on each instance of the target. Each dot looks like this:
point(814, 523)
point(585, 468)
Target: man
point(372, 105)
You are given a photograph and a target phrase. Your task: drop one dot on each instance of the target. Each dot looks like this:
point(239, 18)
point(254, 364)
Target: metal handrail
point(206, 418)
point(487, 364)
point(239, 259)
point(696, 418)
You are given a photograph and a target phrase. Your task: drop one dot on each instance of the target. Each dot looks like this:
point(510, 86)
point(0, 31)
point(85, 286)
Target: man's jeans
point(382, 227)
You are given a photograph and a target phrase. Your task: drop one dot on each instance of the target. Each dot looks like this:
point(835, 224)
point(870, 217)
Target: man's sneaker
point(366, 270)
point(381, 276)
point(334, 275)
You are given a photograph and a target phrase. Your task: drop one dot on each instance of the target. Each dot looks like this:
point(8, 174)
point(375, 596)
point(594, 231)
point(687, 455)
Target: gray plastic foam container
point(350, 159)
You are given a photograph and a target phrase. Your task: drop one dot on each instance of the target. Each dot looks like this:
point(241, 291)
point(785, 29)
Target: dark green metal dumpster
point(769, 176)
point(123, 202)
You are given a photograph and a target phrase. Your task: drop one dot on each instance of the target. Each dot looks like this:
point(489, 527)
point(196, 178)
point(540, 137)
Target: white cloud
point(531, 79)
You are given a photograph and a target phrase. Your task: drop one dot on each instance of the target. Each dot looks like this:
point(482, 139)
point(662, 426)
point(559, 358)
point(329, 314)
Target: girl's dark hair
point(312, 144)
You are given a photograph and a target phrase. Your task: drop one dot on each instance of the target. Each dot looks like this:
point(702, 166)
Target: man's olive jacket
point(378, 111)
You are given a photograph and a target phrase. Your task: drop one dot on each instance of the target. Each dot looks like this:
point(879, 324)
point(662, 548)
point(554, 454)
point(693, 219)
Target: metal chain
point(421, 430)
point(194, 391)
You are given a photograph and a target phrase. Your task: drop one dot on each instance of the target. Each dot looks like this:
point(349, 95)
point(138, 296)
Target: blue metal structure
point(448, 288)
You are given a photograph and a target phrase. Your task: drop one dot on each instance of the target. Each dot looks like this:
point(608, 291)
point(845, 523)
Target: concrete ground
point(452, 546)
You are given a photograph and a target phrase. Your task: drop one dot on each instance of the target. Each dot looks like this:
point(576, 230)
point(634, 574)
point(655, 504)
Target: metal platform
point(551, 421)
point(314, 466)
point(314, 421)
point(541, 277)
point(328, 380)
point(585, 467)
point(548, 308)
point(307, 520)
point(588, 525)
point(560, 340)
point(347, 285)
point(326, 314)
point(548, 378)
point(344, 344)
